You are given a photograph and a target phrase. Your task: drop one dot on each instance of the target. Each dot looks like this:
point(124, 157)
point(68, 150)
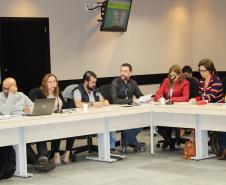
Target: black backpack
point(7, 162)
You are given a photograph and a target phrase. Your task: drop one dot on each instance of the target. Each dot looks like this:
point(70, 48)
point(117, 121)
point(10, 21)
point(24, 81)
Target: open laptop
point(43, 107)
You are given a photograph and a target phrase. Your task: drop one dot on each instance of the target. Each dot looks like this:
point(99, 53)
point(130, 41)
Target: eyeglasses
point(202, 70)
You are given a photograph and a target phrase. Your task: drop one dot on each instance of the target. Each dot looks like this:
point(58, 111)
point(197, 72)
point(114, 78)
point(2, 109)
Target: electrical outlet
point(86, 6)
point(94, 5)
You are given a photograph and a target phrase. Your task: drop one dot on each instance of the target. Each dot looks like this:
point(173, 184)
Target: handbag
point(189, 149)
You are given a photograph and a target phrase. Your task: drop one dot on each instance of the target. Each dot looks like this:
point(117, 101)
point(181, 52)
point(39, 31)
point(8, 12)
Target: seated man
point(122, 92)
point(16, 103)
point(88, 93)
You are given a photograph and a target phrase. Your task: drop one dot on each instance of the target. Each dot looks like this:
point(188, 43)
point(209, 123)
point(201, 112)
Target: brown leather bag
point(189, 149)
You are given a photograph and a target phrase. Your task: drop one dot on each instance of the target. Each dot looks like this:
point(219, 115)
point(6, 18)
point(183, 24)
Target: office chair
point(194, 92)
point(224, 85)
point(68, 96)
point(33, 92)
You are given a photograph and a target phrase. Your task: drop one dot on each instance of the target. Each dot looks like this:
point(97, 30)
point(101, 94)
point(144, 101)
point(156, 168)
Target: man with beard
point(123, 89)
point(88, 93)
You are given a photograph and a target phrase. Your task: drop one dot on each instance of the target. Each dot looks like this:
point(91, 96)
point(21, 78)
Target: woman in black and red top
point(211, 89)
point(210, 86)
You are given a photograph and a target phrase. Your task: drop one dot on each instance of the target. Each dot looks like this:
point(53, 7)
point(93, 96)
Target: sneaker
point(44, 165)
point(117, 154)
point(139, 147)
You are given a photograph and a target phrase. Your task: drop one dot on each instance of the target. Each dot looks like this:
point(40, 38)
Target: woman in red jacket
point(174, 89)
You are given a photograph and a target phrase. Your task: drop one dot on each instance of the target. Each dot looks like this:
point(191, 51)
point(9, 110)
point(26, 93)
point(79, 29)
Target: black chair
point(105, 91)
point(33, 92)
point(224, 85)
point(194, 92)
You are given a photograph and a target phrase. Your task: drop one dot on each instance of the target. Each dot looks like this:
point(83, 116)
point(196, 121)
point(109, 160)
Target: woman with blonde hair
point(50, 89)
point(174, 89)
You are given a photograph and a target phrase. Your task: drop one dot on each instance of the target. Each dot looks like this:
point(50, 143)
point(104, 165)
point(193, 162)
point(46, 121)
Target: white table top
point(111, 111)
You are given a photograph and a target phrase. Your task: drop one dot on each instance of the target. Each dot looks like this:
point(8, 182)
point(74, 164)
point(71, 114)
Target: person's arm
point(137, 91)
point(215, 91)
point(63, 101)
point(161, 90)
point(102, 102)
point(78, 99)
point(28, 104)
point(7, 107)
point(185, 94)
point(115, 98)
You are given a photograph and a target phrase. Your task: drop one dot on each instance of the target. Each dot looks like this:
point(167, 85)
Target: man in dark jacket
point(123, 89)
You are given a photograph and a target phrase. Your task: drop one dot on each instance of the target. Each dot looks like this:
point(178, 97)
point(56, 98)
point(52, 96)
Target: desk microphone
point(58, 107)
point(170, 97)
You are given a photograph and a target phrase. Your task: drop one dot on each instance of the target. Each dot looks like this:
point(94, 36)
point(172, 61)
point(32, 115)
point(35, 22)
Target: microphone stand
point(170, 98)
point(58, 107)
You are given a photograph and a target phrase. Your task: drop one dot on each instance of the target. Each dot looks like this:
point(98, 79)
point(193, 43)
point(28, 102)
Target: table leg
point(21, 156)
point(152, 134)
point(103, 145)
point(201, 138)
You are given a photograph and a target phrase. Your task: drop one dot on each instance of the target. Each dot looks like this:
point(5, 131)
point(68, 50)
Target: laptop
point(43, 107)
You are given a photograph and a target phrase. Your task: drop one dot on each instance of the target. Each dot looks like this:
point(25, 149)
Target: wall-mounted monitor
point(115, 15)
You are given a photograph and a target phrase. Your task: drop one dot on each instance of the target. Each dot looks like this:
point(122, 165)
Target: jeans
point(112, 140)
point(222, 140)
point(130, 135)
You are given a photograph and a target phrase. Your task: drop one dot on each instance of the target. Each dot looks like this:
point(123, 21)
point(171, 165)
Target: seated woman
point(211, 90)
point(175, 89)
point(50, 89)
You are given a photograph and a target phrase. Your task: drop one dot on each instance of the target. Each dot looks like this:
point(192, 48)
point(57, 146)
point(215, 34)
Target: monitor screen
point(116, 15)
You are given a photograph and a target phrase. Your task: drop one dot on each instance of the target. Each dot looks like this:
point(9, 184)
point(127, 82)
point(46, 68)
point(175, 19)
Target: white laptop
point(43, 107)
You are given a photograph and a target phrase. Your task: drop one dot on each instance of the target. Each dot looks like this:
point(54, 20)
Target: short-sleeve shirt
point(78, 96)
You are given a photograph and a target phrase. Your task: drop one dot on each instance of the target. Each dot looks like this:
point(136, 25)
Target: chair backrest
point(105, 91)
point(67, 93)
point(194, 87)
point(224, 85)
point(33, 92)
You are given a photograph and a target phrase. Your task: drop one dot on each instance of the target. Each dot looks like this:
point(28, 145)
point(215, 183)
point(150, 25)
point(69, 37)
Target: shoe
point(164, 145)
point(44, 165)
point(172, 148)
point(223, 155)
point(139, 147)
point(117, 154)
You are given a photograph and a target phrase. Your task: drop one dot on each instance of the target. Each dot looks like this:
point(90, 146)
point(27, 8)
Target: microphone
point(170, 96)
point(172, 77)
point(58, 107)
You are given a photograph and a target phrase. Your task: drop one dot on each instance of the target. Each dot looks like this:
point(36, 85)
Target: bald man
point(12, 101)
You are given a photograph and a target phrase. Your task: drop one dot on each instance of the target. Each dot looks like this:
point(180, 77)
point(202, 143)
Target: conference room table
point(101, 121)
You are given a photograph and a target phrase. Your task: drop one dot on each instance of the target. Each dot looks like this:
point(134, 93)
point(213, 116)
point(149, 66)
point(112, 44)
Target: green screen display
point(116, 15)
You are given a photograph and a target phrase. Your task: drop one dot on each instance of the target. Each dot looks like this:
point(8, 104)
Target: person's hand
point(26, 109)
point(13, 89)
point(106, 103)
point(192, 100)
point(98, 104)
